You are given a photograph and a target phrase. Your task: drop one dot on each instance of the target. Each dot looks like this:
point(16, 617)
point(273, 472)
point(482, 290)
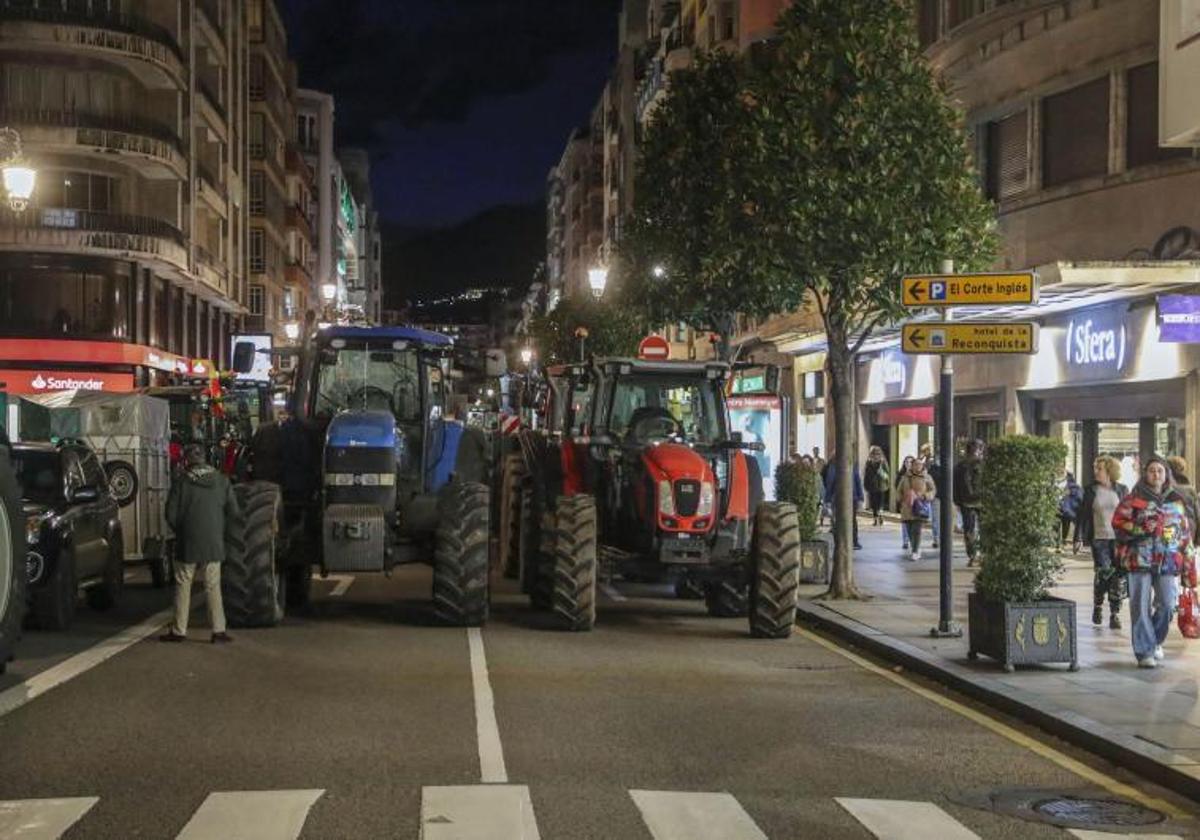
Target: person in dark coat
point(831, 491)
point(878, 483)
point(1070, 498)
point(200, 502)
point(967, 474)
point(1094, 528)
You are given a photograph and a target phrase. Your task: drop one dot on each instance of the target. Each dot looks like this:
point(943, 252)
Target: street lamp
point(659, 272)
point(598, 279)
point(291, 330)
point(328, 291)
point(526, 356)
point(19, 177)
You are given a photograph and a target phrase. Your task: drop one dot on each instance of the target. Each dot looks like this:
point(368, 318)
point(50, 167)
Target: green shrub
point(1018, 519)
point(801, 485)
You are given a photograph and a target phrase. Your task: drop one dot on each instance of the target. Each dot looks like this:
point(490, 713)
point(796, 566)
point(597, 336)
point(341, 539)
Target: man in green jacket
point(200, 500)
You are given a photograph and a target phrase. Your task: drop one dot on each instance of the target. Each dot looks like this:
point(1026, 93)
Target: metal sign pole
point(945, 431)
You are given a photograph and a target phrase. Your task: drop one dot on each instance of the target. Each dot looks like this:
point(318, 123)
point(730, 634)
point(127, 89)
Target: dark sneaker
point(221, 638)
point(1098, 616)
point(1114, 622)
point(172, 637)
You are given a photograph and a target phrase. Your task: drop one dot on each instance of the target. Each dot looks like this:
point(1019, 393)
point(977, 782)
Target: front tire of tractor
point(774, 571)
point(13, 574)
point(460, 564)
point(574, 595)
point(726, 600)
point(536, 549)
point(253, 590)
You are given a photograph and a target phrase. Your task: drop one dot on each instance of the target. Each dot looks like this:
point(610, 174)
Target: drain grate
point(1091, 813)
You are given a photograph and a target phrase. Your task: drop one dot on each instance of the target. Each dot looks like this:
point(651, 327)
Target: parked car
point(72, 531)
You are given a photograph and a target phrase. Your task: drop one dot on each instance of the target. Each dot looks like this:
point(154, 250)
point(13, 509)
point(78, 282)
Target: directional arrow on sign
point(917, 336)
point(916, 290)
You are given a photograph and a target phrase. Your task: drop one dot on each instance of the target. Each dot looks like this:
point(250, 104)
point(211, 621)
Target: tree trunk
point(723, 327)
point(841, 372)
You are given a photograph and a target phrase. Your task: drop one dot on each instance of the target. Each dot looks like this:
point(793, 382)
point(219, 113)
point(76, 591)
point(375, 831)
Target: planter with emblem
point(1012, 617)
point(800, 485)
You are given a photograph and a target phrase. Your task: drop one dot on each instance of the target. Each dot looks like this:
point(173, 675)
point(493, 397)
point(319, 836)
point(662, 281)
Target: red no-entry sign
point(654, 347)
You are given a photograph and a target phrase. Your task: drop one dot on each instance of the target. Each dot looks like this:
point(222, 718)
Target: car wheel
point(106, 595)
point(54, 604)
point(122, 481)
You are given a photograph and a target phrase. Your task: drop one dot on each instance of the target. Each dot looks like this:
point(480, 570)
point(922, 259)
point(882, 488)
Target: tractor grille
point(359, 459)
point(687, 497)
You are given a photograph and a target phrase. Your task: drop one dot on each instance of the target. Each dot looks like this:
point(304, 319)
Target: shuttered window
point(1075, 134)
point(1008, 156)
point(1141, 131)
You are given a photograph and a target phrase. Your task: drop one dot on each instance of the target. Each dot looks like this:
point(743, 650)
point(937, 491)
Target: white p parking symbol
point(937, 290)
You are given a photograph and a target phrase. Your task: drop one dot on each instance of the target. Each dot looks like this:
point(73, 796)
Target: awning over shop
point(916, 415)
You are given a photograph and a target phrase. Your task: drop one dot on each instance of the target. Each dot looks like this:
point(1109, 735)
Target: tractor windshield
point(362, 377)
point(651, 407)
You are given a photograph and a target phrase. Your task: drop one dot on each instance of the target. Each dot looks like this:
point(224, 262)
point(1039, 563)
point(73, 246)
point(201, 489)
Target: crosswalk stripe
point(41, 819)
point(894, 819)
point(477, 812)
point(1084, 834)
point(251, 815)
point(679, 815)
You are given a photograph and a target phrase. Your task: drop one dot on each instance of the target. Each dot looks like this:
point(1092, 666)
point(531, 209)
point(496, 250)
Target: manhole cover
point(1096, 812)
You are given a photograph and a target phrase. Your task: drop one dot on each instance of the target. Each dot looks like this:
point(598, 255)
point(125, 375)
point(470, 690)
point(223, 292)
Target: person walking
point(1179, 474)
point(967, 474)
point(1152, 538)
point(878, 482)
point(905, 466)
point(831, 496)
point(198, 505)
point(1094, 527)
point(917, 492)
point(1070, 498)
point(933, 468)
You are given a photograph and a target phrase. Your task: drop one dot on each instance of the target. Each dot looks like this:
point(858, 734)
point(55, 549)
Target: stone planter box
point(814, 561)
point(1029, 633)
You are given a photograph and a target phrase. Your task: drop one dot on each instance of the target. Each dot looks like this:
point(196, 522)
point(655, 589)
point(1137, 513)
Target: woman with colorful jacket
point(1153, 536)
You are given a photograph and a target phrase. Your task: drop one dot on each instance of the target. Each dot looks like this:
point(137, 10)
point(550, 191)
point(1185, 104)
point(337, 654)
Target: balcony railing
point(210, 177)
point(69, 118)
point(214, 101)
point(93, 15)
point(53, 218)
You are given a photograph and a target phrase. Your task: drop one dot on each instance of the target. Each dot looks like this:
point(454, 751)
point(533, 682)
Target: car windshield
point(39, 474)
point(363, 377)
point(644, 406)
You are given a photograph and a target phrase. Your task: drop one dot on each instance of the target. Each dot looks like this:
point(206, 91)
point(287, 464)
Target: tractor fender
point(738, 504)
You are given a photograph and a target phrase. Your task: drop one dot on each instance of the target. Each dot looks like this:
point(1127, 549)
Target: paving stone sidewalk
point(1146, 719)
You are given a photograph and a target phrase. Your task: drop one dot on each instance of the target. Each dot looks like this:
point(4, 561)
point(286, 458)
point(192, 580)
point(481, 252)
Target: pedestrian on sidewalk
point(878, 483)
point(967, 474)
point(1151, 528)
point(1070, 498)
point(831, 477)
point(200, 500)
point(1179, 474)
point(933, 469)
point(905, 466)
point(1095, 528)
point(917, 492)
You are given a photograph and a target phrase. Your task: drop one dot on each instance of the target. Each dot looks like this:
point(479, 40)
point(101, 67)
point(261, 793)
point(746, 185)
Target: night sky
point(464, 104)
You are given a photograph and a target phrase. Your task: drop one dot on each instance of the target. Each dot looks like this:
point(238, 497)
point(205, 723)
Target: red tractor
point(636, 474)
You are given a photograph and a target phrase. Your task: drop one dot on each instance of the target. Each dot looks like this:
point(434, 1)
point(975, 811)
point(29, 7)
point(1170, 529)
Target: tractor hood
point(674, 461)
point(354, 429)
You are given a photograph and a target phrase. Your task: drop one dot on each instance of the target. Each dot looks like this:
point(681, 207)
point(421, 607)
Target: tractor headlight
point(666, 498)
point(708, 495)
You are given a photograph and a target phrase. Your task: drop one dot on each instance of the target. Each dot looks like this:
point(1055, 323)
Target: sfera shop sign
point(1099, 343)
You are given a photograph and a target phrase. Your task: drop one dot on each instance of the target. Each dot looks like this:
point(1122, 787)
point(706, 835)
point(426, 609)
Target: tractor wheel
point(510, 516)
point(536, 541)
point(251, 587)
point(460, 563)
point(774, 570)
point(13, 575)
point(108, 592)
point(686, 589)
point(725, 599)
point(574, 595)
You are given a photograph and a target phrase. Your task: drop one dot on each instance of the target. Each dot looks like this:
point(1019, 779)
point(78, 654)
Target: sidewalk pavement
point(1146, 720)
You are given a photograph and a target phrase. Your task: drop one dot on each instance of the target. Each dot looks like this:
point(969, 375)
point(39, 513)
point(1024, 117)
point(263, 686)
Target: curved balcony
point(145, 48)
point(154, 147)
point(90, 232)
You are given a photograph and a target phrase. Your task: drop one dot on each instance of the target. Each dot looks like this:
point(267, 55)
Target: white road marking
point(342, 583)
point(894, 819)
point(477, 812)
point(487, 730)
point(676, 815)
point(18, 695)
point(611, 591)
point(41, 819)
point(1102, 835)
point(251, 815)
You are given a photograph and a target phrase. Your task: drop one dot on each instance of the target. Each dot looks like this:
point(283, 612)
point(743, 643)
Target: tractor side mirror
point(243, 356)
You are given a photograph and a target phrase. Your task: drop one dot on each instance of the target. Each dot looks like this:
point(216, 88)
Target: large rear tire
point(460, 563)
point(536, 541)
point(774, 570)
point(725, 600)
point(254, 592)
point(510, 515)
point(12, 561)
point(574, 596)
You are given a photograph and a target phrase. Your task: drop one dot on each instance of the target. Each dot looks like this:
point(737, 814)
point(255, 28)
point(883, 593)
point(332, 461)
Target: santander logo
point(66, 383)
point(39, 382)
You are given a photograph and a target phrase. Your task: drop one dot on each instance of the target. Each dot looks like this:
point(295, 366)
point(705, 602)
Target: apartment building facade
point(128, 263)
point(364, 291)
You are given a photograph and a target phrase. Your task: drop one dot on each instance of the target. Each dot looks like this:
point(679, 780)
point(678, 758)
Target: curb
point(1158, 765)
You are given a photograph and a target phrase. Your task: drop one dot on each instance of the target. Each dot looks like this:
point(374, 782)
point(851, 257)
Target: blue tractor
point(364, 474)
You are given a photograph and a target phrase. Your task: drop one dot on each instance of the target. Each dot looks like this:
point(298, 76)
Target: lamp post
point(19, 177)
point(597, 280)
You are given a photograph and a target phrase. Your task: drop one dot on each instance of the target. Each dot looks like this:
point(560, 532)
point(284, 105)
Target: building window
point(728, 22)
point(258, 194)
point(77, 191)
point(258, 251)
point(927, 21)
point(1007, 156)
point(1141, 130)
point(256, 299)
point(258, 137)
point(1075, 134)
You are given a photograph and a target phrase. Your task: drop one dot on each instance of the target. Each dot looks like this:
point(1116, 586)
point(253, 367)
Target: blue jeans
point(1152, 601)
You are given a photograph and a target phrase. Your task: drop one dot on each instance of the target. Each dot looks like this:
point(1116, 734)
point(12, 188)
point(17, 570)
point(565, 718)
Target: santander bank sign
point(54, 382)
point(49, 381)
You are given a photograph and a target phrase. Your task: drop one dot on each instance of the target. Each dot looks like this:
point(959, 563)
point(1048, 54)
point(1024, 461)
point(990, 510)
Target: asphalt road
point(360, 719)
